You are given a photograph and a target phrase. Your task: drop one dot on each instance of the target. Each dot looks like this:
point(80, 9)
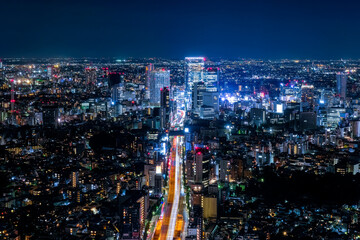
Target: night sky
point(270, 29)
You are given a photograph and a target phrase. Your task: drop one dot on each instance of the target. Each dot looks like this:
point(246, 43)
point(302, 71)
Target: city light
point(115, 126)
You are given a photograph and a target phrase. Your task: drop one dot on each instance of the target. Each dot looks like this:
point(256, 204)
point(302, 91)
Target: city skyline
point(179, 120)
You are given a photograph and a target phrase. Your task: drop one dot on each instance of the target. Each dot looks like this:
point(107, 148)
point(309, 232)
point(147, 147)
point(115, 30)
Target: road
point(165, 228)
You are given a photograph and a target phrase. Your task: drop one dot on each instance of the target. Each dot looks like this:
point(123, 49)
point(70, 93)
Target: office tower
point(194, 73)
point(116, 85)
point(1, 64)
point(164, 107)
point(197, 97)
point(211, 79)
point(211, 99)
point(307, 97)
point(149, 69)
point(159, 78)
point(202, 164)
point(90, 76)
point(209, 104)
point(341, 80)
point(51, 116)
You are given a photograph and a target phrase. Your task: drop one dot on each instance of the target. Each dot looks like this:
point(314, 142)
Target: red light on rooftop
point(12, 100)
point(199, 153)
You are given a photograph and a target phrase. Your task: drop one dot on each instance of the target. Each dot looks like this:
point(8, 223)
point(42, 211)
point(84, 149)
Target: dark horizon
point(257, 29)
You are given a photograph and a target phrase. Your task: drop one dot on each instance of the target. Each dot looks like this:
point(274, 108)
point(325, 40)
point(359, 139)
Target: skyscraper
point(207, 89)
point(149, 69)
point(307, 97)
point(159, 78)
point(194, 71)
point(116, 85)
point(341, 80)
point(164, 107)
point(197, 96)
point(202, 164)
point(90, 75)
point(211, 79)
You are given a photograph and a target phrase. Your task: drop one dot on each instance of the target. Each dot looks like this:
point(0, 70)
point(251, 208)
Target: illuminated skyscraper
point(149, 69)
point(307, 97)
point(116, 85)
point(159, 78)
point(194, 71)
point(202, 164)
point(341, 80)
point(205, 92)
point(211, 79)
point(164, 107)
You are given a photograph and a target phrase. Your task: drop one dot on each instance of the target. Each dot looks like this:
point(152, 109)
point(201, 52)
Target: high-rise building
point(149, 69)
point(90, 76)
point(159, 78)
point(307, 97)
point(211, 99)
point(164, 107)
point(194, 73)
point(211, 79)
point(116, 85)
point(1, 64)
point(202, 165)
point(197, 96)
point(341, 81)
